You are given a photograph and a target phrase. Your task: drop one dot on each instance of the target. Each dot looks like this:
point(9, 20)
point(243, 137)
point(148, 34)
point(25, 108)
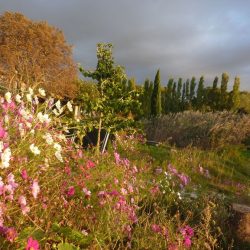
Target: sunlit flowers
point(69, 106)
point(35, 189)
point(23, 204)
point(34, 149)
point(48, 138)
point(18, 98)
point(5, 158)
point(43, 118)
point(8, 97)
point(41, 92)
point(32, 244)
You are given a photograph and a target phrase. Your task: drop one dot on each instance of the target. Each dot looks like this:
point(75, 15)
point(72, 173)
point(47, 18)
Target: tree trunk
point(99, 137)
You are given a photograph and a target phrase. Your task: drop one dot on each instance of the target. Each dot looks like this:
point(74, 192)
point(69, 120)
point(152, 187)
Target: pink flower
point(117, 158)
point(35, 189)
point(184, 179)
point(90, 164)
point(187, 231)
point(2, 132)
point(22, 200)
point(154, 190)
point(86, 192)
point(172, 246)
point(71, 191)
point(11, 234)
point(23, 203)
point(156, 228)
point(24, 174)
point(187, 242)
point(124, 191)
point(32, 244)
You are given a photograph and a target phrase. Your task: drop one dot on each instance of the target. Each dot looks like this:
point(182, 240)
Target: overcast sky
point(181, 37)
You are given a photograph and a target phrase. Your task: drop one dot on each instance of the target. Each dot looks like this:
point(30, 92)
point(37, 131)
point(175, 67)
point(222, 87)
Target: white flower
point(21, 130)
point(36, 100)
point(58, 105)
point(6, 119)
point(57, 146)
point(62, 137)
point(41, 92)
point(43, 118)
point(31, 91)
point(5, 157)
point(18, 98)
point(28, 124)
point(69, 106)
point(29, 97)
point(34, 149)
point(55, 112)
point(58, 156)
point(48, 138)
point(1, 146)
point(8, 97)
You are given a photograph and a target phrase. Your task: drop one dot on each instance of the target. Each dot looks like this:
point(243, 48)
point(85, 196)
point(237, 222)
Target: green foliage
point(72, 235)
point(223, 92)
point(111, 107)
point(200, 94)
point(244, 104)
point(67, 246)
point(234, 96)
point(156, 96)
point(168, 94)
point(192, 90)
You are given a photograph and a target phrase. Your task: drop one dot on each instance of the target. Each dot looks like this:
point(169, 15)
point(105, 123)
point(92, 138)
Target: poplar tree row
point(181, 95)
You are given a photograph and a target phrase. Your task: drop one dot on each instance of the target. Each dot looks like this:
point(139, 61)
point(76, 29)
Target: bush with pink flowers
point(54, 195)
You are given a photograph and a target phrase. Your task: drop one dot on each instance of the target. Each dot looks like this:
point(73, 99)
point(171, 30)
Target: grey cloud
point(182, 38)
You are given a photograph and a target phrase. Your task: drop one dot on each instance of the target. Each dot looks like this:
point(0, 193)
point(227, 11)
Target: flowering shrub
point(54, 195)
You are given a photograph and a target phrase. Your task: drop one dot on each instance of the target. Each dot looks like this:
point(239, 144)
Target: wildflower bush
point(205, 130)
point(54, 195)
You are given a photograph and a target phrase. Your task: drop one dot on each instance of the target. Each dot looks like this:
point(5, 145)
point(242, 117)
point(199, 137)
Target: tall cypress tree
point(156, 96)
point(214, 95)
point(215, 82)
point(200, 93)
point(234, 98)
point(223, 92)
point(192, 90)
point(168, 93)
point(174, 103)
point(131, 84)
point(183, 97)
point(178, 97)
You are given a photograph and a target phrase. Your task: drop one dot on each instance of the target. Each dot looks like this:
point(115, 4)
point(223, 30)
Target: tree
point(179, 87)
point(223, 92)
point(112, 107)
point(200, 93)
point(35, 53)
point(146, 99)
point(156, 96)
point(131, 84)
point(183, 97)
point(192, 90)
point(234, 97)
point(168, 94)
point(214, 95)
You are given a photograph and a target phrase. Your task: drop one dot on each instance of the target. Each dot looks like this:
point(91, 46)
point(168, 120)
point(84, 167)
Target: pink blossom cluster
point(184, 179)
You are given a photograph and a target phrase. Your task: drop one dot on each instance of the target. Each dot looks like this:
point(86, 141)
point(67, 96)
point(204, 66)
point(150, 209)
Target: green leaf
point(72, 235)
point(66, 246)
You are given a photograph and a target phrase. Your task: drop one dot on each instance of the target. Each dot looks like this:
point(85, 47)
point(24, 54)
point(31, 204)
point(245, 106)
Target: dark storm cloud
point(182, 38)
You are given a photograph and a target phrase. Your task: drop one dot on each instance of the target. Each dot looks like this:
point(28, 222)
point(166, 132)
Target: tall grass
point(205, 130)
